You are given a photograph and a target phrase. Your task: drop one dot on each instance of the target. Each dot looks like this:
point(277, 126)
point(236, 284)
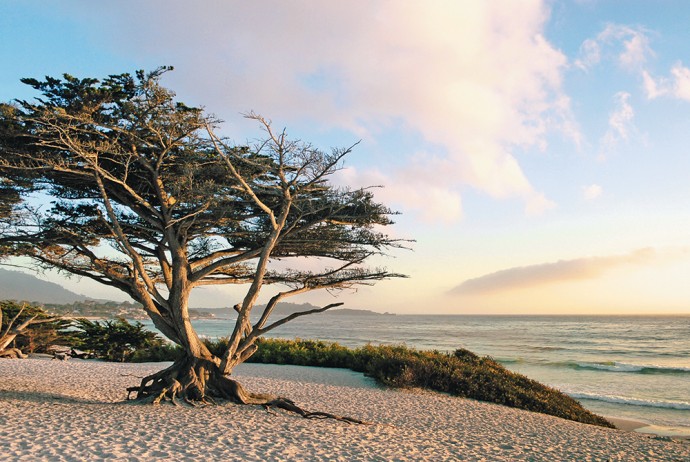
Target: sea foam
point(679, 405)
point(624, 367)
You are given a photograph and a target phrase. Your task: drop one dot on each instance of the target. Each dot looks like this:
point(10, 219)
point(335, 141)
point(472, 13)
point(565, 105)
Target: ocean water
point(634, 367)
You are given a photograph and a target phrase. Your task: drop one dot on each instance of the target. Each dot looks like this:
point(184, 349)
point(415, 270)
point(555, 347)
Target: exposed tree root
point(197, 382)
point(289, 405)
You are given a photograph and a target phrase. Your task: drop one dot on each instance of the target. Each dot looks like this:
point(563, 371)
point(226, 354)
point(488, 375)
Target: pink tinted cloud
point(560, 271)
point(477, 79)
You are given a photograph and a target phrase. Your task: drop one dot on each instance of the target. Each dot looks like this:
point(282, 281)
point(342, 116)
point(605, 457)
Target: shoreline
point(645, 428)
point(627, 425)
point(79, 405)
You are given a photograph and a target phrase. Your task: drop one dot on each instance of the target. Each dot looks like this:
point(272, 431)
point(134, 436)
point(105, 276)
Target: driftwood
point(63, 353)
point(12, 331)
point(12, 353)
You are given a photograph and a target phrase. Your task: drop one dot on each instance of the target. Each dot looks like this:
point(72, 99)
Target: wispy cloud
point(474, 79)
point(592, 191)
point(620, 123)
point(681, 81)
point(547, 273)
point(629, 46)
point(590, 54)
point(653, 87)
point(676, 85)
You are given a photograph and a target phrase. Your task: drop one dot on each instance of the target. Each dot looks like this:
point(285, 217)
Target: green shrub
point(302, 353)
point(461, 373)
point(217, 346)
point(157, 353)
point(114, 340)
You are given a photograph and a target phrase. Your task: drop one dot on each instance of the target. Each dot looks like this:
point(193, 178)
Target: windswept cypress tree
point(147, 198)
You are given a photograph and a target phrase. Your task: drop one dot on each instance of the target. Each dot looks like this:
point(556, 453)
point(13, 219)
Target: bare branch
point(294, 316)
point(12, 321)
point(245, 187)
point(126, 246)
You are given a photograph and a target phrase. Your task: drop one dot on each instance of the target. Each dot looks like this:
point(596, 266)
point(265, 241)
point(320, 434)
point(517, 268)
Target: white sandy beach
point(74, 411)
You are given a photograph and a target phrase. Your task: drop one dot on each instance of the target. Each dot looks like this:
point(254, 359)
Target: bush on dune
point(115, 340)
point(157, 353)
point(300, 352)
point(461, 373)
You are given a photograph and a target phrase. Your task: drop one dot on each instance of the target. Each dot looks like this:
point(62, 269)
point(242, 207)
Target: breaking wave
point(624, 367)
point(679, 405)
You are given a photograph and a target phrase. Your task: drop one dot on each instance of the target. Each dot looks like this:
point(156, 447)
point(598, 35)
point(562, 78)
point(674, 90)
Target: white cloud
point(568, 125)
point(590, 54)
point(677, 85)
point(591, 191)
point(653, 88)
point(620, 122)
point(681, 82)
point(433, 204)
point(477, 79)
point(629, 46)
point(636, 50)
point(621, 118)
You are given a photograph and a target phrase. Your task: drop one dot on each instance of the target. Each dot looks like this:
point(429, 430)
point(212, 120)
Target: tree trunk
point(200, 377)
point(192, 379)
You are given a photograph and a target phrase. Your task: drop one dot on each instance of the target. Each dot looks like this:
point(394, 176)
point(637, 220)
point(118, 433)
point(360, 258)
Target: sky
point(537, 150)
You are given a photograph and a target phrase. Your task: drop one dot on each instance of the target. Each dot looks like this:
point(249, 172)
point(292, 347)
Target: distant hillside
point(284, 309)
point(15, 285)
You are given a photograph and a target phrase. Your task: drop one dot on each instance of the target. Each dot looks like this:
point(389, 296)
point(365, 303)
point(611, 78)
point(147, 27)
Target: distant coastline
point(99, 309)
point(282, 309)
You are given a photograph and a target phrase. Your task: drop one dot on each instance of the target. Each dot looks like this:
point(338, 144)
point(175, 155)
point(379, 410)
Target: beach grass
point(461, 373)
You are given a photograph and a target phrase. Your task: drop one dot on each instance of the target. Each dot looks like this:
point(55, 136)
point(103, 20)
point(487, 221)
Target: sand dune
point(74, 411)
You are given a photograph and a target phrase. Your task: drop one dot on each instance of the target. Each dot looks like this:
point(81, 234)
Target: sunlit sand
point(74, 411)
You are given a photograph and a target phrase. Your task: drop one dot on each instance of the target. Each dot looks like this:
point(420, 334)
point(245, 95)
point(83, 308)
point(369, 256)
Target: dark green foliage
point(462, 373)
point(304, 353)
point(115, 340)
point(216, 347)
point(37, 337)
point(156, 353)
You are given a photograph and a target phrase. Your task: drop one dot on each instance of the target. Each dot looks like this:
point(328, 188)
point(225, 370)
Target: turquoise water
point(634, 367)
